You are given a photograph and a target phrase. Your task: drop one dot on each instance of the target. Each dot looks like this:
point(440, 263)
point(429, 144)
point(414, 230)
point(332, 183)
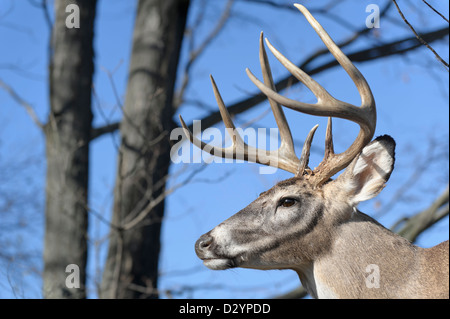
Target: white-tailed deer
point(310, 223)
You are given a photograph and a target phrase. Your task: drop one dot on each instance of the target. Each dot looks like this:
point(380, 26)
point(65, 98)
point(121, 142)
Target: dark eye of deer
point(287, 202)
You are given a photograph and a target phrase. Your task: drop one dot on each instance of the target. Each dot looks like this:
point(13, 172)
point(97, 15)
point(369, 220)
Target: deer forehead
point(292, 186)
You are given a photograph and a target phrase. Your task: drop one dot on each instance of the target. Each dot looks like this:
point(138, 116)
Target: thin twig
point(419, 37)
point(156, 201)
point(46, 10)
point(22, 103)
point(195, 53)
point(114, 292)
point(431, 7)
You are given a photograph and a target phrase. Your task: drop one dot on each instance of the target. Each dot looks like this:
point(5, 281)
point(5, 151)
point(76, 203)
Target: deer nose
point(202, 245)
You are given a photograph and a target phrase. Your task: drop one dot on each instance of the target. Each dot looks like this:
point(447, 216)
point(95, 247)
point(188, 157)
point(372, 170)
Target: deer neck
point(365, 260)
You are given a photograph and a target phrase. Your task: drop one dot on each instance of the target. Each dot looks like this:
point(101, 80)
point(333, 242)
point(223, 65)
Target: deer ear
point(368, 173)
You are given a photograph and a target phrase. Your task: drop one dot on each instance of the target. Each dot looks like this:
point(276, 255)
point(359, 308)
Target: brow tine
point(304, 158)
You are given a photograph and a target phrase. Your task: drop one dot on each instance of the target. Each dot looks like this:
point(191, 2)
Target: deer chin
point(220, 263)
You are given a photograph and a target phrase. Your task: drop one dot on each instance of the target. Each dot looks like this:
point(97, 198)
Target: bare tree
point(67, 136)
point(131, 269)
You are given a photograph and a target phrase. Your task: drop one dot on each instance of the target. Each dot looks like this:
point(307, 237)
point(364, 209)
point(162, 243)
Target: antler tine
point(326, 104)
point(304, 158)
point(283, 158)
point(367, 99)
point(301, 75)
point(237, 142)
point(329, 148)
point(366, 117)
point(187, 132)
point(287, 144)
point(236, 139)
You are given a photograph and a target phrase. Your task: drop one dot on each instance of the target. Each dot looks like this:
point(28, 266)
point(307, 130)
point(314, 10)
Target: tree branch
point(22, 103)
point(415, 225)
point(437, 12)
point(195, 53)
point(419, 37)
point(108, 128)
point(380, 51)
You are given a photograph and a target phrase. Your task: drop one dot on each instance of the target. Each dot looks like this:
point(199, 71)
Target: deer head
point(310, 223)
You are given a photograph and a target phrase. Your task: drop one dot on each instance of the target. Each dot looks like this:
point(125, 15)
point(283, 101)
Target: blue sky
point(412, 103)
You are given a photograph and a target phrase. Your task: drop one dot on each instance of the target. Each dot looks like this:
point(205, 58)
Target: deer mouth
point(219, 263)
point(207, 251)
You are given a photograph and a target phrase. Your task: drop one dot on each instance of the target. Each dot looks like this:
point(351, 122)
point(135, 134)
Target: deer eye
point(287, 202)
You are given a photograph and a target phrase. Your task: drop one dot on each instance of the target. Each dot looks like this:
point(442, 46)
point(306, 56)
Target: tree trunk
point(131, 269)
point(67, 150)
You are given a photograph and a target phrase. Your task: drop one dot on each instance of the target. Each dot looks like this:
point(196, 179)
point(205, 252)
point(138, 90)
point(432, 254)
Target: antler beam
point(327, 105)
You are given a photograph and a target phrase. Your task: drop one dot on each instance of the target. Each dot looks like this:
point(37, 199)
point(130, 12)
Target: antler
point(326, 105)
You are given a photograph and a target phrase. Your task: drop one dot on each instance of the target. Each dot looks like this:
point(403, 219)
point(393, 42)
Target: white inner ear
point(370, 172)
